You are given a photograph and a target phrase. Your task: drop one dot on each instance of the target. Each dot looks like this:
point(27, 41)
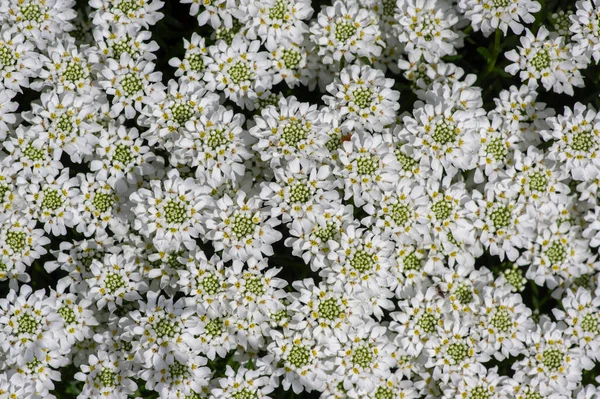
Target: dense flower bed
point(279, 198)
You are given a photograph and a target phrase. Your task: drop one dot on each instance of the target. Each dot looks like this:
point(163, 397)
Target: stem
point(495, 52)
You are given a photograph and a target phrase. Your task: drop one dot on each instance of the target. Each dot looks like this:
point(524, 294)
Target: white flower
point(545, 58)
point(106, 375)
point(558, 253)
point(54, 201)
point(325, 311)
point(289, 130)
point(369, 168)
point(40, 21)
point(585, 28)
point(520, 110)
point(576, 135)
point(242, 228)
point(115, 279)
point(217, 145)
point(114, 40)
point(243, 383)
point(454, 354)
point(20, 242)
point(305, 363)
point(18, 61)
point(28, 324)
point(552, 362)
point(425, 27)
point(346, 31)
point(175, 378)
point(505, 323)
point(289, 64)
point(503, 224)
point(65, 122)
point(218, 13)
point(363, 95)
point(443, 132)
point(170, 211)
point(301, 189)
point(184, 101)
point(161, 326)
point(277, 22)
point(581, 315)
point(131, 82)
point(367, 352)
point(489, 15)
point(194, 63)
point(240, 70)
point(66, 69)
point(131, 14)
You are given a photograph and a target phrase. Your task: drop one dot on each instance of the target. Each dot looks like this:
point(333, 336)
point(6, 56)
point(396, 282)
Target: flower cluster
point(222, 234)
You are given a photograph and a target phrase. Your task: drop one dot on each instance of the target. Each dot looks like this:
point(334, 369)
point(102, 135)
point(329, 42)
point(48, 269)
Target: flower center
point(412, 262)
point(299, 356)
point(427, 322)
point(103, 202)
point(442, 209)
point(444, 133)
point(464, 294)
point(7, 57)
point(182, 112)
point(367, 165)
point(552, 358)
point(583, 141)
point(278, 10)
point(178, 370)
point(299, 193)
point(74, 71)
point(175, 212)
point(362, 261)
point(384, 392)
point(291, 58)
point(131, 84)
point(479, 392)
point(114, 281)
point(196, 62)
point(32, 12)
point(34, 154)
point(501, 217)
point(363, 356)
point(166, 328)
point(344, 30)
point(16, 240)
point(502, 320)
point(27, 324)
point(538, 182)
point(211, 284)
point(240, 72)
point(591, 323)
point(107, 378)
point(245, 394)
point(556, 253)
point(363, 97)
point(497, 149)
point(52, 199)
point(243, 226)
point(400, 213)
point(214, 327)
point(216, 138)
point(255, 286)
point(127, 6)
point(501, 3)
point(329, 309)
point(541, 60)
point(458, 351)
point(67, 314)
point(294, 132)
